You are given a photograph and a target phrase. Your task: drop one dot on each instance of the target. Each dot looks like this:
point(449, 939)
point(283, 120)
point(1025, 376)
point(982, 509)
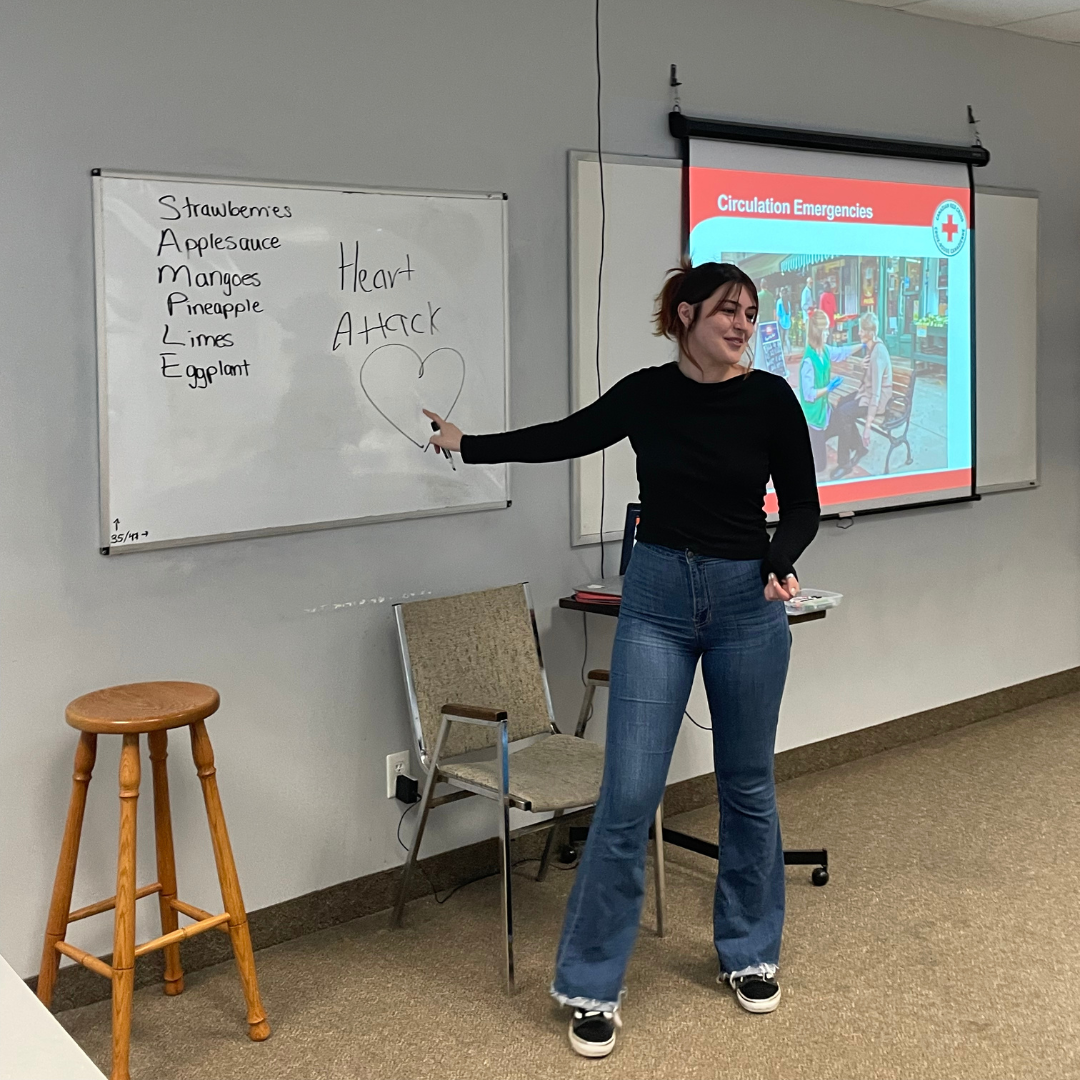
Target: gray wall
point(475, 94)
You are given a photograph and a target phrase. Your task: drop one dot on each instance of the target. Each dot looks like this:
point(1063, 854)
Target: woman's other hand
point(774, 590)
point(448, 436)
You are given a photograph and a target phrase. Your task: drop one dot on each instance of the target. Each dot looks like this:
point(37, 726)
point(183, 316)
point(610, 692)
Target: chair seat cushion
point(555, 773)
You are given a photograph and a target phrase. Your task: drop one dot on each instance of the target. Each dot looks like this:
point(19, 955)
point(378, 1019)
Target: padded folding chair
point(476, 682)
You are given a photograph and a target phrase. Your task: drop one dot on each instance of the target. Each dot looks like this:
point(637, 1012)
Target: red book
point(597, 598)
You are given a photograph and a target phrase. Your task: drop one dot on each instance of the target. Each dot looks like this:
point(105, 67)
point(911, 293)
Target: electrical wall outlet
point(396, 765)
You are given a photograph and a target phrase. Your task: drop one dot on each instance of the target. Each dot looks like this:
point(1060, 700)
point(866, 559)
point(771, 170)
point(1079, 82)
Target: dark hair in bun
point(693, 285)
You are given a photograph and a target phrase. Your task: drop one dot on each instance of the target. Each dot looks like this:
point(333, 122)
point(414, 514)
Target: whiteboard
point(1006, 330)
point(264, 350)
point(643, 239)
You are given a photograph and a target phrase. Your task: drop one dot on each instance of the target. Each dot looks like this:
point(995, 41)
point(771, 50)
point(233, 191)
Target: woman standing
point(704, 583)
point(816, 383)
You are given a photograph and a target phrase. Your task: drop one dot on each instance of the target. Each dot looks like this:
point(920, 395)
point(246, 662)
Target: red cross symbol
point(950, 229)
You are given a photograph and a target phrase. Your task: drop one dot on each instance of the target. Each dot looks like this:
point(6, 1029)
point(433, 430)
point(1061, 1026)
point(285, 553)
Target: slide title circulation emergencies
point(728, 204)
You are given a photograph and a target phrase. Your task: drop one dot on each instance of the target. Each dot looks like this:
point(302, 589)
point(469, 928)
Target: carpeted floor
point(946, 945)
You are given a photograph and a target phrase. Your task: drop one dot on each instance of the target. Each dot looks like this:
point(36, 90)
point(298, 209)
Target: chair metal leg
point(658, 868)
point(583, 715)
point(504, 851)
point(425, 807)
point(545, 859)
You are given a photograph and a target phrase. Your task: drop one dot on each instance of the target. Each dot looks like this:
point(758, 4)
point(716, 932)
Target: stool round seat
point(135, 708)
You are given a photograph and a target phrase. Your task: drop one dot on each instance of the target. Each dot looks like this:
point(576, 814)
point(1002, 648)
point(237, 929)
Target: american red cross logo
point(949, 227)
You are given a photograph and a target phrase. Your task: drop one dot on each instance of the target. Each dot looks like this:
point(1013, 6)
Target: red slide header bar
point(885, 487)
point(783, 196)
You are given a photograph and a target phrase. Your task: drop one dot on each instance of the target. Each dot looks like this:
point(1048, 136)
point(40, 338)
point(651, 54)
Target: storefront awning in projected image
point(794, 263)
point(760, 265)
point(900, 229)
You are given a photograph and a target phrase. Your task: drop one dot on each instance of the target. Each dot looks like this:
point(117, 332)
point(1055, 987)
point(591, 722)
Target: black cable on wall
point(600, 278)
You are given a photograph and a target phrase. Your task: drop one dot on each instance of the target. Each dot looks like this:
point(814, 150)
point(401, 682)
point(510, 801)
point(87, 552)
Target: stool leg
point(203, 753)
point(60, 906)
point(166, 860)
point(123, 958)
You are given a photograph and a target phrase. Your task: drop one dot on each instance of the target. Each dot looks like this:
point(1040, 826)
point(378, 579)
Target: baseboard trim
point(922, 725)
point(368, 895)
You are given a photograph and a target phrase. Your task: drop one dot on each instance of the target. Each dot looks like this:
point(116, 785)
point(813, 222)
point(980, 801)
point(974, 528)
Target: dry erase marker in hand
point(446, 453)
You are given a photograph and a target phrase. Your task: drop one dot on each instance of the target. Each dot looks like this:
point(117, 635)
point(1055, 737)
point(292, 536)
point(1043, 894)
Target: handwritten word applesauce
point(207, 309)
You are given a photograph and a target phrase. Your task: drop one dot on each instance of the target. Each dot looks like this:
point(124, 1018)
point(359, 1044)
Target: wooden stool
point(130, 710)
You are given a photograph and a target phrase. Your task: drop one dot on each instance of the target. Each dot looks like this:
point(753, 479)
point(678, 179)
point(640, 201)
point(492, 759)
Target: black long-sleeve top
point(705, 452)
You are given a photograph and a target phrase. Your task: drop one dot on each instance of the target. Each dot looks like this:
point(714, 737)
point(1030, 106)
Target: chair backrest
point(473, 649)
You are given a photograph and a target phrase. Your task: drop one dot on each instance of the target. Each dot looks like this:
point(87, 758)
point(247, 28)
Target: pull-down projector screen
point(864, 273)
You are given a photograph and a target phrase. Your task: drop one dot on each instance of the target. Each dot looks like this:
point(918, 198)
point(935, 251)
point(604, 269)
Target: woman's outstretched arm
point(586, 431)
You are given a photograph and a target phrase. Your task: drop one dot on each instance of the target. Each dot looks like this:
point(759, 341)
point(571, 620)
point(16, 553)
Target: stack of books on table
point(606, 591)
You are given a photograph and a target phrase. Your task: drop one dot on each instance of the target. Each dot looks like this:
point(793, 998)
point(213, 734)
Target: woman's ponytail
point(666, 319)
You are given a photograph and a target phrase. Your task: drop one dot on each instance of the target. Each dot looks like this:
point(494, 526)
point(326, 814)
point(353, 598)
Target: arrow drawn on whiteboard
point(386, 374)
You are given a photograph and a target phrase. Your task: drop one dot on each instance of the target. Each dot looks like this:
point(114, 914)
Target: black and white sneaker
point(755, 993)
point(592, 1033)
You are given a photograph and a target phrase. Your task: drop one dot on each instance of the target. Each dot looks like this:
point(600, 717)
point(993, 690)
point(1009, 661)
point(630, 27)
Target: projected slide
point(863, 267)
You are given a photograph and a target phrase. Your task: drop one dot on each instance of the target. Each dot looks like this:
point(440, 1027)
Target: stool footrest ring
point(193, 912)
point(107, 905)
point(179, 935)
point(85, 958)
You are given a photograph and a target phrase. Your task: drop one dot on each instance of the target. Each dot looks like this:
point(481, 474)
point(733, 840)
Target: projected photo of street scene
point(863, 342)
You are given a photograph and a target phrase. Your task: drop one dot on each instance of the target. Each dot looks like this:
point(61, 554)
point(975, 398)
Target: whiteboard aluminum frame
point(1020, 485)
point(579, 538)
point(104, 521)
point(102, 365)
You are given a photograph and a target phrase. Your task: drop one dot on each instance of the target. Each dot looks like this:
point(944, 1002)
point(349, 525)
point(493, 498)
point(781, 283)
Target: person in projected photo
point(806, 301)
point(705, 583)
point(868, 403)
point(783, 316)
point(817, 382)
point(827, 302)
point(766, 302)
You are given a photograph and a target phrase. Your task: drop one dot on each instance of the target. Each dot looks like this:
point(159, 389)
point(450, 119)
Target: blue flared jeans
point(679, 608)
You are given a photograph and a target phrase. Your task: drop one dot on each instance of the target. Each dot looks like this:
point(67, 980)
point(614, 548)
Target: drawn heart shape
point(394, 377)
